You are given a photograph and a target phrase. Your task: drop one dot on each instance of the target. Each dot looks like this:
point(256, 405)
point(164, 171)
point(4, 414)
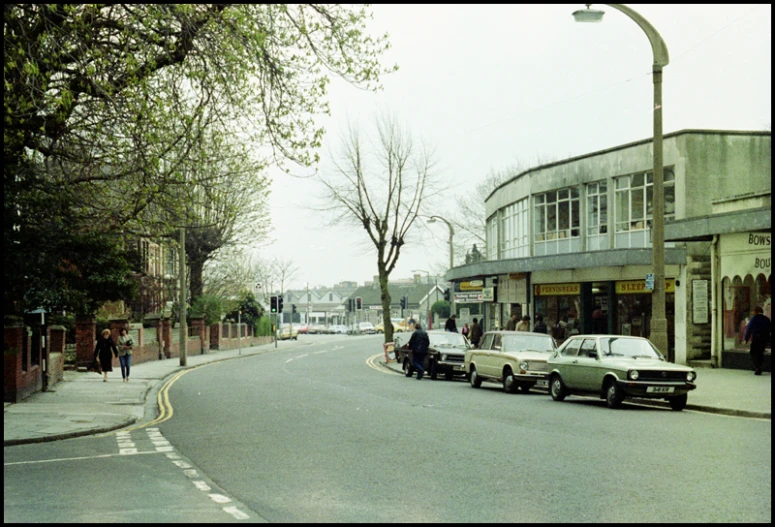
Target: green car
point(616, 367)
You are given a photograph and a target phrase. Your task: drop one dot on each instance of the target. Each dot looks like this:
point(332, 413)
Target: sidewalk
point(721, 391)
point(83, 405)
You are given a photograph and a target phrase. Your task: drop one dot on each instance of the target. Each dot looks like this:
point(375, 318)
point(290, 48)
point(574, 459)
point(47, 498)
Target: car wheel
point(525, 387)
point(678, 403)
point(476, 381)
point(408, 370)
point(509, 385)
point(614, 395)
point(557, 388)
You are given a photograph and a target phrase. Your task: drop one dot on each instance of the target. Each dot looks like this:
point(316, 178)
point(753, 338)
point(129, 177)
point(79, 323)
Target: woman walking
point(125, 344)
point(105, 346)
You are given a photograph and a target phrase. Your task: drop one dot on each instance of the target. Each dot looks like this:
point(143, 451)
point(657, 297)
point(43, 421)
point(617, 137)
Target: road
point(316, 432)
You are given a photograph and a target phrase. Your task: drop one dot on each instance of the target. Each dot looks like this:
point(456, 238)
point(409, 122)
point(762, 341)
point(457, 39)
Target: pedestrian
point(125, 345)
point(758, 332)
point(540, 326)
point(511, 325)
point(419, 343)
point(524, 324)
point(476, 333)
point(105, 346)
point(412, 323)
point(599, 323)
point(466, 330)
point(451, 325)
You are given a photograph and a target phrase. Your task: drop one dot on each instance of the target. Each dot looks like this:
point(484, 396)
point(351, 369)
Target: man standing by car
point(451, 325)
point(419, 343)
point(476, 333)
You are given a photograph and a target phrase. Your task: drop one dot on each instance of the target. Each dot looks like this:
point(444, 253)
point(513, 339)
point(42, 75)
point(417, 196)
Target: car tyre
point(678, 403)
point(476, 381)
point(614, 395)
point(509, 385)
point(557, 388)
point(408, 369)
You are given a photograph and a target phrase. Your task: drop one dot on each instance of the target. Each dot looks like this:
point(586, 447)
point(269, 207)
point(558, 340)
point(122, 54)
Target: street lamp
point(658, 335)
point(435, 288)
point(432, 219)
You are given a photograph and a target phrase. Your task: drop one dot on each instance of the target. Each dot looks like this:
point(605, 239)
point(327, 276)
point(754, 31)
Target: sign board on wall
point(557, 289)
point(631, 287)
point(745, 253)
point(488, 294)
point(700, 301)
point(473, 285)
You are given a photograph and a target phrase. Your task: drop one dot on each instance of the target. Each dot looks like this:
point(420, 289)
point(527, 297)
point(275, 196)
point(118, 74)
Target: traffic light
point(404, 302)
point(293, 308)
point(279, 303)
point(446, 294)
point(273, 304)
point(359, 303)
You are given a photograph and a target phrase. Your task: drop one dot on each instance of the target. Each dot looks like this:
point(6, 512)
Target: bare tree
point(383, 192)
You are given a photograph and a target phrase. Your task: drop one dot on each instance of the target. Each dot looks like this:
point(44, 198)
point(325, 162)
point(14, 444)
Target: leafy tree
point(248, 310)
point(209, 306)
point(104, 102)
point(441, 308)
point(383, 195)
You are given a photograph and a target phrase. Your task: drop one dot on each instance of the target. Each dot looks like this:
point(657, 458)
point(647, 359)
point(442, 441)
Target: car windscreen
point(632, 348)
point(527, 341)
point(447, 340)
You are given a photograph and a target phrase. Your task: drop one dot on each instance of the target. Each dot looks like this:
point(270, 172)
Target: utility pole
point(182, 299)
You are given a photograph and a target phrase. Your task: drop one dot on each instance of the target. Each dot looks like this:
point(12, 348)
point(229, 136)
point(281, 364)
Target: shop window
point(634, 207)
point(739, 297)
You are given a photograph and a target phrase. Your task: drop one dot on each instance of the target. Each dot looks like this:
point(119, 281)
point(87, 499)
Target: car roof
point(507, 332)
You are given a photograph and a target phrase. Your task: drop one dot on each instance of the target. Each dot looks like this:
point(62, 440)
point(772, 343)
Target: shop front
point(560, 306)
point(633, 309)
point(746, 282)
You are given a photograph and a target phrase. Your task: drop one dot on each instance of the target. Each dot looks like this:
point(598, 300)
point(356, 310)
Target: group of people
point(106, 348)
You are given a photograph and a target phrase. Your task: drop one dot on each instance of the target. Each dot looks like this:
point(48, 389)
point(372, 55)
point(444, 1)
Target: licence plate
point(660, 389)
point(542, 383)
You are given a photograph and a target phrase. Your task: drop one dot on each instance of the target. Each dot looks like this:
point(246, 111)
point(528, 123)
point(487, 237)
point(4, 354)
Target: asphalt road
point(317, 432)
point(314, 435)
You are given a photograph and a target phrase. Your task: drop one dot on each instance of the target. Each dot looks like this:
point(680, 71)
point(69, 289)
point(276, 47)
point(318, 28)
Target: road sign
point(650, 282)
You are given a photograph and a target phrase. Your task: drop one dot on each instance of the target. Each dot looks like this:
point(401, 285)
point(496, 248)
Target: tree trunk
point(386, 313)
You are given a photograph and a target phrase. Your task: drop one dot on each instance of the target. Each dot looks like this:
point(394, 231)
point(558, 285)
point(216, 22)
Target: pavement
point(82, 404)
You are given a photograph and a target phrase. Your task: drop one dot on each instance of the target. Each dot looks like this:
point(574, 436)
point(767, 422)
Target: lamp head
point(432, 219)
point(588, 15)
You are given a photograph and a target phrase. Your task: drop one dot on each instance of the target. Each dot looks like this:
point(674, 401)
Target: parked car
point(515, 358)
point(399, 326)
point(366, 328)
point(317, 328)
point(446, 354)
point(302, 328)
point(285, 333)
point(339, 329)
point(616, 367)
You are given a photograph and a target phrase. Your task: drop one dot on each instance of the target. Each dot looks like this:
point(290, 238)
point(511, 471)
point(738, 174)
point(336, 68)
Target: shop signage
point(557, 289)
point(488, 294)
point(745, 253)
point(473, 285)
point(462, 298)
point(634, 287)
point(700, 302)
point(517, 276)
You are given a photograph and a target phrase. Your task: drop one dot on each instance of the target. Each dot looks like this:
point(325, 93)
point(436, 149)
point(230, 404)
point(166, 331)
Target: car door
point(481, 353)
point(588, 365)
point(493, 358)
point(564, 362)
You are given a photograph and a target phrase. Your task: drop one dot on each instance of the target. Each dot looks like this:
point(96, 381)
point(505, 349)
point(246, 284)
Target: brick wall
point(21, 378)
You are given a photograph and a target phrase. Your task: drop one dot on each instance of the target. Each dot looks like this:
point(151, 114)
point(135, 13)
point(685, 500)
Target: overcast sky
point(493, 86)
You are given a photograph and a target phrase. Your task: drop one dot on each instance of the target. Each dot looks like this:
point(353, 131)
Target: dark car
point(446, 355)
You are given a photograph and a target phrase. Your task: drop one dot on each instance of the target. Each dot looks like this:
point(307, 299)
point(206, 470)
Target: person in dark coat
point(105, 350)
point(419, 343)
point(451, 325)
point(475, 334)
point(540, 326)
point(758, 332)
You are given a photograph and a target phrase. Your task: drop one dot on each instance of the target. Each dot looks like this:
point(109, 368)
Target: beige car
point(399, 326)
point(517, 359)
point(285, 333)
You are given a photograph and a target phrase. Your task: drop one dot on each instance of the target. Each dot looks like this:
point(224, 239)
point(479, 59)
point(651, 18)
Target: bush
point(264, 328)
point(209, 306)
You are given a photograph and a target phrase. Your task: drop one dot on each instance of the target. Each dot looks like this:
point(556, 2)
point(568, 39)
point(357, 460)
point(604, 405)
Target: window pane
point(622, 210)
point(603, 214)
point(669, 175)
point(623, 182)
point(540, 226)
point(650, 201)
point(562, 194)
point(636, 212)
point(551, 197)
point(670, 199)
point(650, 177)
point(574, 192)
point(564, 215)
point(637, 180)
point(551, 218)
point(575, 215)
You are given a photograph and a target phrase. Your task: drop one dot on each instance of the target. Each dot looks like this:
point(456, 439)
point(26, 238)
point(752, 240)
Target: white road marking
point(81, 458)
point(191, 473)
point(181, 464)
point(219, 498)
point(201, 485)
point(238, 514)
point(127, 451)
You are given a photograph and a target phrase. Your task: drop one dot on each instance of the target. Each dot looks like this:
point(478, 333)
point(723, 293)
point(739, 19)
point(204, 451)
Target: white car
point(367, 328)
point(339, 329)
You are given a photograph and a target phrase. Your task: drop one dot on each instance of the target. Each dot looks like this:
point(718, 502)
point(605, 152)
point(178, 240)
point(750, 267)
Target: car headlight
point(634, 375)
point(690, 376)
point(443, 356)
point(523, 365)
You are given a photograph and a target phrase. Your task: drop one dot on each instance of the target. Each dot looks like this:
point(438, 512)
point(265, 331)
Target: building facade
point(570, 241)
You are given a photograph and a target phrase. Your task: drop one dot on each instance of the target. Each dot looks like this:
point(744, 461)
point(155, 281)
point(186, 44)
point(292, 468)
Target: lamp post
point(658, 334)
point(432, 219)
point(435, 288)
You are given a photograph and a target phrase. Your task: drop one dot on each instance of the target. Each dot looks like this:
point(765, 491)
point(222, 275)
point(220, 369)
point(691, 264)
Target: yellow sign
point(473, 285)
point(635, 287)
point(557, 289)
